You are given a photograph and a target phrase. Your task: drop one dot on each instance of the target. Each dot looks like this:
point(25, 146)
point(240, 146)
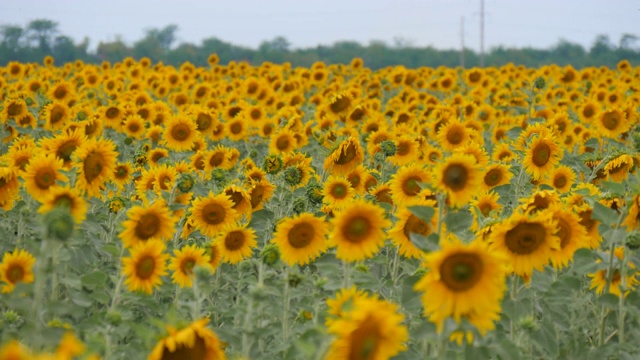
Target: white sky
point(308, 23)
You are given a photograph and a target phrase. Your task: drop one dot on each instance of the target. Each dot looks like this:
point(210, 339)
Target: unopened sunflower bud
point(633, 241)
point(272, 164)
point(114, 317)
point(294, 279)
point(11, 317)
point(128, 141)
point(185, 182)
point(292, 176)
point(253, 154)
point(257, 292)
point(540, 83)
point(528, 323)
point(299, 206)
point(116, 204)
point(270, 255)
point(59, 224)
point(314, 193)
point(388, 148)
point(29, 101)
point(362, 268)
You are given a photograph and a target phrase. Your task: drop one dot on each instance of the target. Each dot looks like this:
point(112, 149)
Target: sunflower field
point(332, 212)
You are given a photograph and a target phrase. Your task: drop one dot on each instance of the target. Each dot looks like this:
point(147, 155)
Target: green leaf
point(604, 214)
point(424, 213)
point(458, 221)
point(614, 188)
point(425, 243)
point(94, 280)
point(514, 132)
point(609, 300)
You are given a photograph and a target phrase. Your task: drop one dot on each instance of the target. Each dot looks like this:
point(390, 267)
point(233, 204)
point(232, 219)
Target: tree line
point(42, 37)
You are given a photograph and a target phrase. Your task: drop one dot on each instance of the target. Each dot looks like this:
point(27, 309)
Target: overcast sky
point(308, 23)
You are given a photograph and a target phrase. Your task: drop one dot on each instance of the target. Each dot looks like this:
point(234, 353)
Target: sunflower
point(572, 235)
point(180, 133)
point(407, 151)
point(541, 157)
point(212, 213)
point(632, 220)
point(260, 192)
point(238, 128)
point(14, 109)
point(218, 158)
point(562, 179)
point(62, 92)
point(486, 203)
point(337, 192)
point(502, 153)
point(368, 328)
point(237, 242)
point(619, 168)
point(408, 223)
point(452, 135)
point(405, 184)
point(184, 261)
point(145, 265)
point(134, 126)
point(9, 187)
point(214, 252)
point(340, 104)
point(147, 223)
point(600, 278)
point(56, 115)
point(462, 279)
point(156, 155)
point(611, 123)
point(95, 161)
point(63, 145)
point(42, 172)
point(458, 176)
point(69, 198)
point(358, 230)
point(538, 201)
point(240, 198)
point(282, 142)
point(195, 341)
point(345, 157)
point(496, 175)
point(527, 240)
point(16, 267)
point(301, 239)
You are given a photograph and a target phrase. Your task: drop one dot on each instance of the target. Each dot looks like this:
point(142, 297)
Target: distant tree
point(42, 32)
point(113, 51)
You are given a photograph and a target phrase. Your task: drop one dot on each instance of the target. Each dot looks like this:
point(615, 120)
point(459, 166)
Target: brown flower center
point(455, 177)
point(559, 181)
point(257, 193)
point(357, 229)
point(283, 143)
point(365, 340)
point(14, 273)
point(461, 271)
point(455, 135)
point(234, 240)
point(493, 177)
point(147, 226)
point(92, 165)
point(184, 351)
point(236, 128)
point(213, 214)
point(347, 153)
point(216, 159)
point(14, 109)
point(541, 154)
point(187, 265)
point(45, 178)
point(340, 104)
point(411, 186)
point(66, 149)
point(415, 225)
point(610, 120)
point(64, 201)
point(525, 238)
point(301, 235)
point(180, 132)
point(339, 191)
point(203, 122)
point(145, 267)
point(564, 232)
point(236, 197)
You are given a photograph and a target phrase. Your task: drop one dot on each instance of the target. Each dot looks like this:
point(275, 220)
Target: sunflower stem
point(285, 312)
point(346, 274)
point(196, 295)
point(54, 273)
point(607, 285)
point(513, 295)
point(39, 289)
point(116, 291)
point(246, 326)
point(621, 308)
point(441, 197)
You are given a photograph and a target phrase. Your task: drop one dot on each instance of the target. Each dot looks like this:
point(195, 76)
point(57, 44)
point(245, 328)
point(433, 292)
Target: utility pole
point(481, 33)
point(462, 42)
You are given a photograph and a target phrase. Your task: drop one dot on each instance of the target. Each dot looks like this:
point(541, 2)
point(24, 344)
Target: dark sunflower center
point(365, 340)
point(357, 229)
point(147, 226)
point(461, 272)
point(455, 136)
point(416, 226)
point(213, 214)
point(283, 143)
point(559, 181)
point(145, 267)
point(15, 273)
point(92, 166)
point(485, 209)
point(185, 352)
point(57, 113)
point(403, 149)
point(541, 154)
point(65, 150)
point(216, 159)
point(347, 154)
point(586, 220)
point(384, 196)
point(236, 128)
point(354, 180)
point(340, 104)
point(301, 235)
point(234, 240)
point(339, 191)
point(180, 132)
point(45, 178)
point(610, 120)
point(256, 195)
point(456, 177)
point(564, 232)
point(203, 122)
point(493, 177)
point(525, 238)
point(588, 111)
point(60, 93)
point(14, 109)
point(64, 201)
point(411, 186)
point(121, 172)
point(187, 265)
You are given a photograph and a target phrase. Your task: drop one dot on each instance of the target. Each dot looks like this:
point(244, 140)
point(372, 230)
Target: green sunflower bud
point(270, 255)
point(128, 141)
point(294, 279)
point(388, 148)
point(540, 83)
point(314, 193)
point(633, 241)
point(299, 206)
point(116, 204)
point(114, 317)
point(292, 176)
point(59, 224)
point(186, 182)
point(272, 164)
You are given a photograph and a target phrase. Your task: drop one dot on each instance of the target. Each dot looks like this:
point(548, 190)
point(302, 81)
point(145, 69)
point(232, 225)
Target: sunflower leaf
point(604, 214)
point(615, 188)
point(424, 213)
point(425, 243)
point(94, 280)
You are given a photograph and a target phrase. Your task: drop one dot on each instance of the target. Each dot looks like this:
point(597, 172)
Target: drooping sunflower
point(212, 213)
point(405, 184)
point(458, 176)
point(409, 223)
point(572, 235)
point(260, 192)
point(42, 172)
point(69, 198)
point(337, 192)
point(358, 230)
point(95, 161)
point(195, 341)
point(632, 220)
point(237, 242)
point(9, 187)
point(301, 239)
point(600, 278)
point(145, 266)
point(153, 222)
point(619, 168)
point(462, 279)
point(184, 261)
point(16, 267)
point(541, 157)
point(64, 144)
point(611, 123)
point(527, 240)
point(370, 328)
point(538, 201)
point(345, 157)
point(180, 133)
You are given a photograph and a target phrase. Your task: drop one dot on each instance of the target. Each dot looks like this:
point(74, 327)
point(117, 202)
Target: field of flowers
point(332, 212)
